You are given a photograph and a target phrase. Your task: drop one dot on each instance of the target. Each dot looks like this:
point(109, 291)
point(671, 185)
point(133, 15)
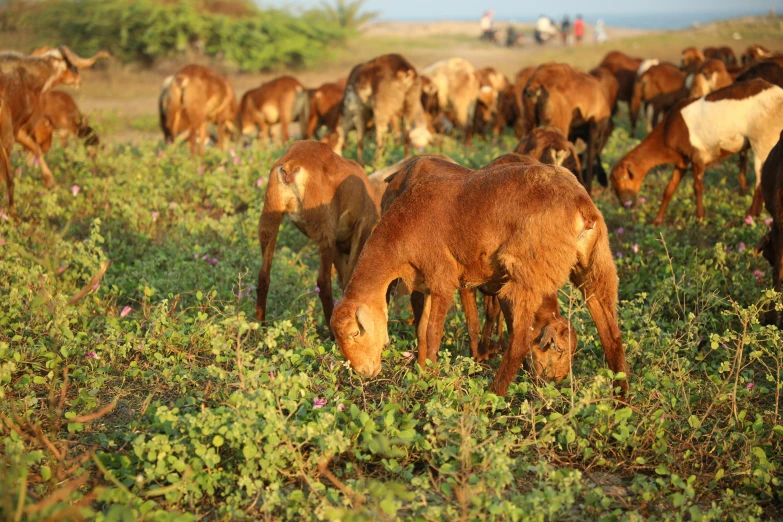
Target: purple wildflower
point(92, 355)
point(741, 247)
point(341, 407)
point(768, 222)
point(232, 153)
point(749, 220)
point(213, 261)
point(75, 190)
point(271, 374)
point(315, 290)
point(619, 255)
point(205, 257)
point(728, 250)
point(642, 200)
point(126, 311)
point(95, 287)
point(758, 274)
point(628, 204)
point(160, 153)
point(237, 161)
point(750, 386)
point(318, 403)
point(620, 231)
point(260, 182)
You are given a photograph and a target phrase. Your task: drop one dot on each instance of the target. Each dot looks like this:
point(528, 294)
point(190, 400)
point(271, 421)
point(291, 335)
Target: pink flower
point(201, 170)
point(315, 290)
point(18, 172)
point(341, 407)
point(271, 374)
point(318, 403)
point(232, 153)
point(2, 241)
point(75, 190)
point(95, 287)
point(741, 247)
point(768, 222)
point(407, 355)
point(35, 161)
point(160, 153)
point(237, 160)
point(749, 220)
point(642, 200)
point(758, 274)
point(628, 204)
point(92, 355)
point(154, 216)
point(3, 215)
point(750, 386)
point(173, 205)
point(728, 250)
point(619, 255)
point(635, 248)
point(260, 182)
point(205, 257)
point(620, 231)
point(213, 261)
point(126, 311)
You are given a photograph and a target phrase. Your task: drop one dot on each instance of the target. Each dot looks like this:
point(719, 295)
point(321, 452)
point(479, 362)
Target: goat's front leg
point(29, 143)
point(325, 283)
point(469, 306)
point(522, 310)
point(424, 304)
point(674, 182)
point(439, 307)
point(743, 170)
point(698, 190)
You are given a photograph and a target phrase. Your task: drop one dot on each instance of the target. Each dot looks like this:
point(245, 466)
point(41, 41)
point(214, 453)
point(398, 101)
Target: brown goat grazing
point(624, 69)
point(549, 145)
point(382, 89)
point(701, 131)
point(558, 329)
point(23, 80)
point(755, 53)
point(205, 97)
point(271, 103)
point(724, 54)
point(558, 95)
point(524, 229)
point(609, 84)
point(495, 105)
point(520, 82)
point(766, 70)
point(711, 76)
point(61, 112)
point(320, 107)
point(690, 59)
point(171, 95)
point(660, 87)
point(772, 243)
point(330, 200)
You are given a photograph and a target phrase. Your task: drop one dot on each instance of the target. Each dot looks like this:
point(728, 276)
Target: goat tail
point(301, 110)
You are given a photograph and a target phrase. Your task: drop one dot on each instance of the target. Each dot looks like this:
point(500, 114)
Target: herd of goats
point(517, 229)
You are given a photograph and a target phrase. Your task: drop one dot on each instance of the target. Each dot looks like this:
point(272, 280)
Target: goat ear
point(547, 338)
point(364, 320)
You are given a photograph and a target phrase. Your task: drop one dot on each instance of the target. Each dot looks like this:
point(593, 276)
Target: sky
point(524, 11)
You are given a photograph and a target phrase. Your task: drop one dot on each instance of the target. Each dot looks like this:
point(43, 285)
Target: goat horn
point(82, 63)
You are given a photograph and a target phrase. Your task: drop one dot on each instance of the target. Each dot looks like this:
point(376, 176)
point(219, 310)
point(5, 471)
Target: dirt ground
point(123, 99)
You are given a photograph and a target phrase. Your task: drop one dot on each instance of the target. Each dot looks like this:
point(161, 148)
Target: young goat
point(523, 229)
point(329, 199)
point(700, 132)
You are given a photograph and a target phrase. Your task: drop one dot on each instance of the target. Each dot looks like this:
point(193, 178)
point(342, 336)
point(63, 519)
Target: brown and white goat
point(523, 229)
point(198, 96)
point(772, 243)
point(62, 114)
point(660, 88)
point(319, 107)
point(271, 103)
point(625, 69)
point(330, 200)
point(24, 79)
point(549, 145)
point(383, 89)
point(560, 96)
point(701, 131)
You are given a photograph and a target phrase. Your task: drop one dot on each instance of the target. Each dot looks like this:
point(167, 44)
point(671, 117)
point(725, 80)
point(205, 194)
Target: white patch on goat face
point(292, 194)
point(725, 124)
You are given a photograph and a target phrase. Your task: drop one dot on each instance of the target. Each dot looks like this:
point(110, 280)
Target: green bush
point(148, 30)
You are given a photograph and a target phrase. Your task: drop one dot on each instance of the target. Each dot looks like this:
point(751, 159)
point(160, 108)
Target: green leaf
point(46, 472)
point(217, 441)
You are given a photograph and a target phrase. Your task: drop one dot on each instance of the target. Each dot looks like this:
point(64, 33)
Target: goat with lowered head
point(23, 80)
point(700, 132)
point(524, 229)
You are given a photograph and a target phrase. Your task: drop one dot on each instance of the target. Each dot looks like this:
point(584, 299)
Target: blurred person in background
point(600, 32)
point(579, 29)
point(487, 33)
point(565, 29)
point(545, 29)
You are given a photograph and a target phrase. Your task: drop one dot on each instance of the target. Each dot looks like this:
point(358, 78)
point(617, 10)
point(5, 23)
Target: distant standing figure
point(579, 29)
point(487, 33)
point(511, 36)
point(565, 28)
point(600, 32)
